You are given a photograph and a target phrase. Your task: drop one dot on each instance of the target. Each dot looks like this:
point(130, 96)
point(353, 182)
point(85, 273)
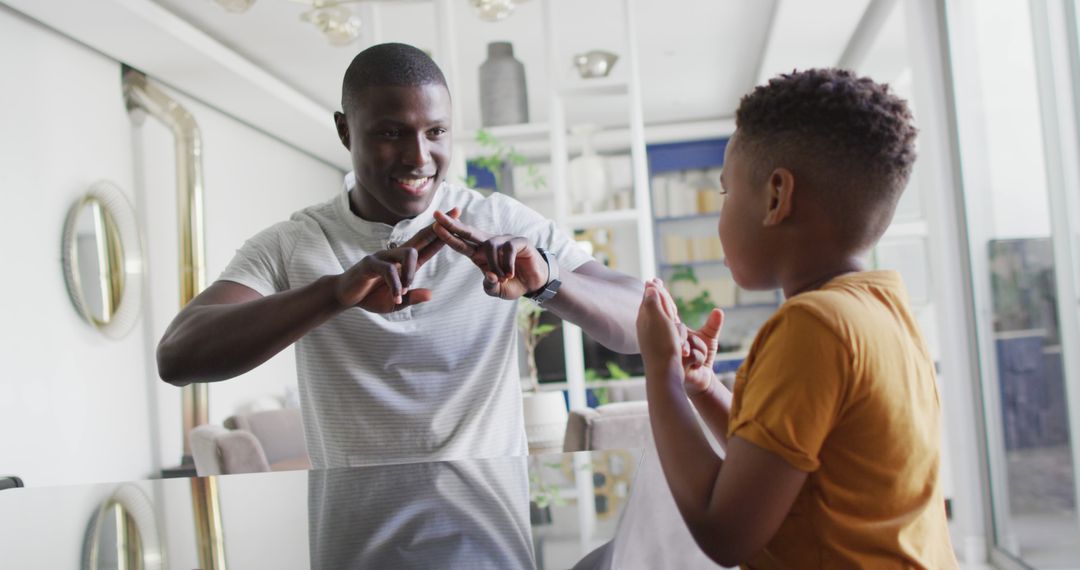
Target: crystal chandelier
point(336, 22)
point(495, 10)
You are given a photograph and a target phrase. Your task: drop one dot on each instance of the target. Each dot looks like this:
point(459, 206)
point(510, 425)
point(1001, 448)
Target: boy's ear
point(342, 128)
point(781, 190)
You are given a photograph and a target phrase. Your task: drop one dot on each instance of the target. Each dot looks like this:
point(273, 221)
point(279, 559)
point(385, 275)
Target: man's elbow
point(169, 365)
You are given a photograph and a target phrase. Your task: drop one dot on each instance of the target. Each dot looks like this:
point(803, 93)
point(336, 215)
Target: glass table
point(543, 511)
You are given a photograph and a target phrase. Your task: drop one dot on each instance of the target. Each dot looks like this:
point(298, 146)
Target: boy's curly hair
point(847, 135)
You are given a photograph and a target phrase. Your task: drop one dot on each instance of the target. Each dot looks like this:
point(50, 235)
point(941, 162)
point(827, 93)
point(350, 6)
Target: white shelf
point(507, 133)
point(599, 89)
point(580, 221)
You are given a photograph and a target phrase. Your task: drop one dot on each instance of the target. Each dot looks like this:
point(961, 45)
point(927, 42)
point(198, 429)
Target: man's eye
point(437, 132)
point(391, 133)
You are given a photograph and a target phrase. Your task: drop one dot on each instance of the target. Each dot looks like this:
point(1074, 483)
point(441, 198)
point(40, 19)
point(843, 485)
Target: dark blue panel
point(484, 177)
point(686, 155)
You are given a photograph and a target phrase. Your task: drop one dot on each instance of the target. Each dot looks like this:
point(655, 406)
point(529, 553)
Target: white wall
point(75, 406)
point(251, 182)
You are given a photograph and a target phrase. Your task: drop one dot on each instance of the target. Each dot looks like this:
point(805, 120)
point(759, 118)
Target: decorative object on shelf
point(595, 63)
point(586, 174)
point(336, 22)
point(504, 99)
point(600, 244)
point(102, 259)
point(495, 10)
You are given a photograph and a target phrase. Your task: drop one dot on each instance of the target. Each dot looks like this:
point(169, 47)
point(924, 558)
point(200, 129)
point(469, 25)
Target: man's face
point(399, 138)
point(741, 227)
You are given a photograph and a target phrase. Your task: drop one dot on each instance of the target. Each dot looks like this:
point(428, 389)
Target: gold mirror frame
point(120, 249)
point(138, 542)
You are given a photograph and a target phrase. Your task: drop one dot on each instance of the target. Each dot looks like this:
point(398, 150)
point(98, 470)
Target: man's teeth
point(413, 182)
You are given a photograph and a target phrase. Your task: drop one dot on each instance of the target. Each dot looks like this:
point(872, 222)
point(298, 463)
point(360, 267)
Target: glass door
point(1018, 157)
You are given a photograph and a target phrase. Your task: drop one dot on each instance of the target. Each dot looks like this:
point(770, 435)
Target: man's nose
point(416, 153)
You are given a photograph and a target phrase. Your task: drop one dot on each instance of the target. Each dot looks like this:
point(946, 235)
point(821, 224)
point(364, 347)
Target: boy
point(832, 433)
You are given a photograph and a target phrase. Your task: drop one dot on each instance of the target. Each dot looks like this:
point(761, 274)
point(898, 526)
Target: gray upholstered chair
point(271, 440)
point(621, 425)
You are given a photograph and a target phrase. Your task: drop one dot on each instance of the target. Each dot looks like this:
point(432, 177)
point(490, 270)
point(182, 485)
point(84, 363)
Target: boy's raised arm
point(732, 507)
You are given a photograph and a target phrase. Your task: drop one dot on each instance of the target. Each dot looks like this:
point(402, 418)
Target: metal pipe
point(139, 93)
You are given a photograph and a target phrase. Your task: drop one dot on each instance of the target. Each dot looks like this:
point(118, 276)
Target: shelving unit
point(639, 217)
point(548, 141)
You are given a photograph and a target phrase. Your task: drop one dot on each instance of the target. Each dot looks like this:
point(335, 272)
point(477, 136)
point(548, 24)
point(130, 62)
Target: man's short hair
point(848, 138)
point(390, 64)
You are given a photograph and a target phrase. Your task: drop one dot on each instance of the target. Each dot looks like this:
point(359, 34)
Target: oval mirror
point(123, 534)
point(102, 259)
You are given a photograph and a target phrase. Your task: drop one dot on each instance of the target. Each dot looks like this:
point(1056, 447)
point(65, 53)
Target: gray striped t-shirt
point(434, 381)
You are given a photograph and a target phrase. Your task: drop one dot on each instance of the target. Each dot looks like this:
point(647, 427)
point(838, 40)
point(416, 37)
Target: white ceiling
point(696, 57)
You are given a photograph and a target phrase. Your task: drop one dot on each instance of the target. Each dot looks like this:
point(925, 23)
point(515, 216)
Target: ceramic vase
point(587, 174)
point(503, 98)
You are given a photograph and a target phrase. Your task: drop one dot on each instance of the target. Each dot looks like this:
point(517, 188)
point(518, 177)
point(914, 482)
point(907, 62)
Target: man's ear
point(342, 128)
point(781, 193)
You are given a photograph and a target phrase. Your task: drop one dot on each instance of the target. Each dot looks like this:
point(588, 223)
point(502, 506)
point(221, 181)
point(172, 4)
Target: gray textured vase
point(503, 99)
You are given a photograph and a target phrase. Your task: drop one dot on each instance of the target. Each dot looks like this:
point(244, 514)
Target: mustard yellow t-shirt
point(839, 383)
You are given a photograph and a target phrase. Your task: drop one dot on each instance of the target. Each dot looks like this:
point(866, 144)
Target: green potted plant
point(615, 372)
point(693, 311)
point(545, 412)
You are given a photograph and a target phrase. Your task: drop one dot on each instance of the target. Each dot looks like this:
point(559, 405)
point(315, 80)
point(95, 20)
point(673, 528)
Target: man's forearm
point(212, 342)
point(690, 465)
point(604, 307)
point(714, 406)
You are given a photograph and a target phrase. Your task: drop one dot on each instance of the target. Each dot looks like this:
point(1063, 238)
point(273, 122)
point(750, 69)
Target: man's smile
point(414, 186)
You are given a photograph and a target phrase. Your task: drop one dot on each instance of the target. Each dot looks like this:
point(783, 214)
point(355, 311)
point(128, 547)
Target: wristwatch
point(552, 286)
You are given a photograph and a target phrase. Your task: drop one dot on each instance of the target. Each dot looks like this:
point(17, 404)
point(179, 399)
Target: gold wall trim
point(140, 94)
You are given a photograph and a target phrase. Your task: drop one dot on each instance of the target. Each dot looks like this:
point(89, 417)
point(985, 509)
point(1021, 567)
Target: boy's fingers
point(713, 324)
point(668, 302)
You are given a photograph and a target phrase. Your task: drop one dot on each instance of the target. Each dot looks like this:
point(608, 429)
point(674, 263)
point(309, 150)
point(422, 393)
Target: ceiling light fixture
point(337, 23)
point(495, 10)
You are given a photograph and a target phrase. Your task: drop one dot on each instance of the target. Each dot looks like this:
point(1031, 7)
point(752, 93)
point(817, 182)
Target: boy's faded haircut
point(847, 139)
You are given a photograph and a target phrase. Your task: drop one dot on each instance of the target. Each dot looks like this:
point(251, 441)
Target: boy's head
point(817, 163)
point(396, 125)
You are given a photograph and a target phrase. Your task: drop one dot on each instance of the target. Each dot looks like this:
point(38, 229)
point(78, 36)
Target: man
point(405, 352)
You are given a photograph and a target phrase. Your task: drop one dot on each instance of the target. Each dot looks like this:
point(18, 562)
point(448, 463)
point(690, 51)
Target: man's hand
point(381, 282)
point(511, 265)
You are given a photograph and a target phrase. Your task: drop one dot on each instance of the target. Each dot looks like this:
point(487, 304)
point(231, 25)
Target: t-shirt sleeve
point(791, 392)
point(260, 262)
point(520, 220)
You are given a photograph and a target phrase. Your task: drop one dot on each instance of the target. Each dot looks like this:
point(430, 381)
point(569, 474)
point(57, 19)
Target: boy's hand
point(511, 266)
point(697, 347)
point(381, 282)
point(657, 327)
point(703, 342)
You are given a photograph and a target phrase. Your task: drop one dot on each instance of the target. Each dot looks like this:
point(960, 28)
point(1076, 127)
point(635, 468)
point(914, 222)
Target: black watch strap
point(551, 288)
